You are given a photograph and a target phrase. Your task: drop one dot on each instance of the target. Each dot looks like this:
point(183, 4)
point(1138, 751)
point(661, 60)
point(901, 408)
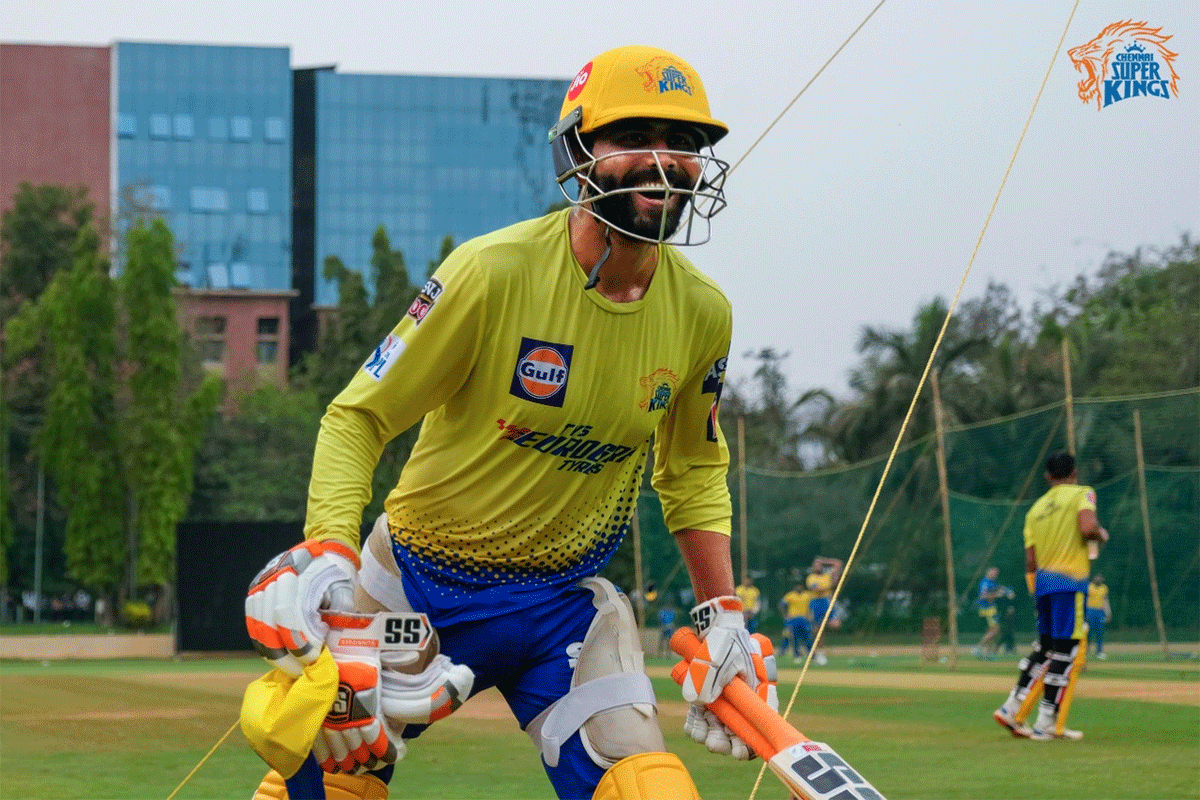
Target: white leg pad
point(611, 702)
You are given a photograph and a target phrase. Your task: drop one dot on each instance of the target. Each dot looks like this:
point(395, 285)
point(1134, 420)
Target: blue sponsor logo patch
point(541, 372)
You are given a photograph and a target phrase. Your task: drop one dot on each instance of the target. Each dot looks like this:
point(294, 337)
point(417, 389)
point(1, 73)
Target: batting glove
point(427, 696)
point(284, 604)
point(727, 650)
point(355, 737)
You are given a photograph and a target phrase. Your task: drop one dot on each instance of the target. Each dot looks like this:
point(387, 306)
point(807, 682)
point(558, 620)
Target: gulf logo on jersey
point(541, 372)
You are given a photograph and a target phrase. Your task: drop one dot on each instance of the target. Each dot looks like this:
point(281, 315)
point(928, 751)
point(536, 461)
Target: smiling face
point(646, 171)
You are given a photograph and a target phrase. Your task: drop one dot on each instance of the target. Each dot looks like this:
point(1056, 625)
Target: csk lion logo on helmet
point(1128, 59)
point(664, 75)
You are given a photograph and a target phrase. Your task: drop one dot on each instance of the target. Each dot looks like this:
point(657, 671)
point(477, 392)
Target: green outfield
point(135, 729)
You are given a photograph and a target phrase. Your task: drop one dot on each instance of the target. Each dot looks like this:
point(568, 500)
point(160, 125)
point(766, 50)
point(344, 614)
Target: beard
point(620, 210)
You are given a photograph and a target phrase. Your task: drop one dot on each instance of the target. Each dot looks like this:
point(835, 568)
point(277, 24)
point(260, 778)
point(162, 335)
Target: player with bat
point(541, 360)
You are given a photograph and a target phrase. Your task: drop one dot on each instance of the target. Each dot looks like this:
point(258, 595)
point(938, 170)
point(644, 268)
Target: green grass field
point(135, 729)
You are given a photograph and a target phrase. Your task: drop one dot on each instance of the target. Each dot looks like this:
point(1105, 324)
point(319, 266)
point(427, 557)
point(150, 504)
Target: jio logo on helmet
point(541, 372)
point(580, 80)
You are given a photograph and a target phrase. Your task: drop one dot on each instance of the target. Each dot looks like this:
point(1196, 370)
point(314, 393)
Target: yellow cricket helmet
point(637, 82)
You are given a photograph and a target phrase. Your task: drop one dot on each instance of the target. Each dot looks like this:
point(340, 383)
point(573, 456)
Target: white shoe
point(1102, 656)
point(1018, 729)
point(1048, 734)
point(820, 659)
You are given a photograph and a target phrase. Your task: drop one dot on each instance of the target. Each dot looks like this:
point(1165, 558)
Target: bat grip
point(769, 727)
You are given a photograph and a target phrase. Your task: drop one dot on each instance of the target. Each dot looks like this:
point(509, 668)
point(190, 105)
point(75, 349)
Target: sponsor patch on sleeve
point(384, 356)
point(423, 303)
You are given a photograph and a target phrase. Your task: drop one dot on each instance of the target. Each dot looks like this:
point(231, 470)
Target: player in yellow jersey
point(797, 621)
point(751, 599)
point(542, 359)
point(1058, 528)
point(1098, 613)
point(823, 575)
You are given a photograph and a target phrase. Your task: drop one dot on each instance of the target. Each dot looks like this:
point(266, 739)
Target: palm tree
point(869, 423)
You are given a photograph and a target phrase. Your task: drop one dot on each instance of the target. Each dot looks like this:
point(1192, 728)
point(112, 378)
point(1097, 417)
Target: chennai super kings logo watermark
point(1128, 59)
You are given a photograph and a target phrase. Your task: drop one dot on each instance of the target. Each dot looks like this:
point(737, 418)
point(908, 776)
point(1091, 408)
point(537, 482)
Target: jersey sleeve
point(421, 363)
point(691, 459)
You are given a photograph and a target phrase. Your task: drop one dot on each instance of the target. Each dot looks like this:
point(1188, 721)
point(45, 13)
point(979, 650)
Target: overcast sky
point(869, 196)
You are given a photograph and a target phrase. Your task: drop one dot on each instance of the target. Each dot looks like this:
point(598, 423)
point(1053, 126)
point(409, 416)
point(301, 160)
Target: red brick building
point(56, 119)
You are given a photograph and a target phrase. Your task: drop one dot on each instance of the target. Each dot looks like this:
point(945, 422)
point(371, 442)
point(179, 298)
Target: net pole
point(943, 490)
point(1141, 468)
point(744, 538)
point(1068, 394)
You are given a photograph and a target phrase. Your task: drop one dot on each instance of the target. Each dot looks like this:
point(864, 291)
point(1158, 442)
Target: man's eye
point(683, 142)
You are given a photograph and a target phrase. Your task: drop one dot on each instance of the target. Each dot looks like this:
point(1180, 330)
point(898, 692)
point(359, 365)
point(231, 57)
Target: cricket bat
point(811, 770)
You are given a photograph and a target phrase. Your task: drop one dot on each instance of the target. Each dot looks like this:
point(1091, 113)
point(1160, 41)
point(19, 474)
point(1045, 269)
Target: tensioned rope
point(924, 374)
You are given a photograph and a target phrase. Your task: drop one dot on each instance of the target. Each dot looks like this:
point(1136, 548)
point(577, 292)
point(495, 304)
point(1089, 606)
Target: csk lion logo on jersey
point(656, 389)
point(1128, 59)
point(664, 75)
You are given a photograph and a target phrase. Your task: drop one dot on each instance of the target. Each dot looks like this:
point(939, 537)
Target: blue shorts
point(1060, 615)
point(527, 654)
point(817, 609)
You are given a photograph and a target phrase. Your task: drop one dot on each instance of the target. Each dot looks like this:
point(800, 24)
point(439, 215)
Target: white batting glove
point(284, 604)
point(427, 696)
point(355, 737)
point(727, 650)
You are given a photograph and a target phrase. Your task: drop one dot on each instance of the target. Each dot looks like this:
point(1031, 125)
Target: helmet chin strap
point(594, 276)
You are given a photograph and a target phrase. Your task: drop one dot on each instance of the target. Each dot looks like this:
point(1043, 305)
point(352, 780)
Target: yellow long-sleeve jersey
point(539, 399)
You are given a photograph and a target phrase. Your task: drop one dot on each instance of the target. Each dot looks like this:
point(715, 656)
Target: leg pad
point(647, 776)
point(337, 787)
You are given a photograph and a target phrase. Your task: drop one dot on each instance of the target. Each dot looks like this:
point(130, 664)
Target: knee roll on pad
point(611, 702)
point(647, 776)
point(337, 787)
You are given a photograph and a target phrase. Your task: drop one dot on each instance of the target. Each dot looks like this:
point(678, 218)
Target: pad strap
point(562, 719)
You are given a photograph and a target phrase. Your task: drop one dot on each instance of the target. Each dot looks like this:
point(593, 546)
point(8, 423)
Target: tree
point(37, 236)
point(119, 431)
point(270, 426)
point(1146, 310)
point(885, 384)
point(75, 320)
point(776, 427)
point(161, 426)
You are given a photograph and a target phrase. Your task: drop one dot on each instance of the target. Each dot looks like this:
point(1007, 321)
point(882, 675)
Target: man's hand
point(284, 604)
point(727, 650)
point(355, 737)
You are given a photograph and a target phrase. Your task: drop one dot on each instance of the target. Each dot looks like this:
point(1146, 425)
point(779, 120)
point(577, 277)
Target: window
point(159, 198)
point(256, 201)
point(239, 275)
point(160, 126)
point(185, 128)
point(210, 340)
point(239, 129)
point(206, 198)
point(273, 130)
point(218, 129)
point(126, 125)
point(268, 340)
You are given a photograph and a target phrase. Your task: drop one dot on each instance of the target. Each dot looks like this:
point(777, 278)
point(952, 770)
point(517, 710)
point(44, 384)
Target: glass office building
point(424, 156)
point(204, 139)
